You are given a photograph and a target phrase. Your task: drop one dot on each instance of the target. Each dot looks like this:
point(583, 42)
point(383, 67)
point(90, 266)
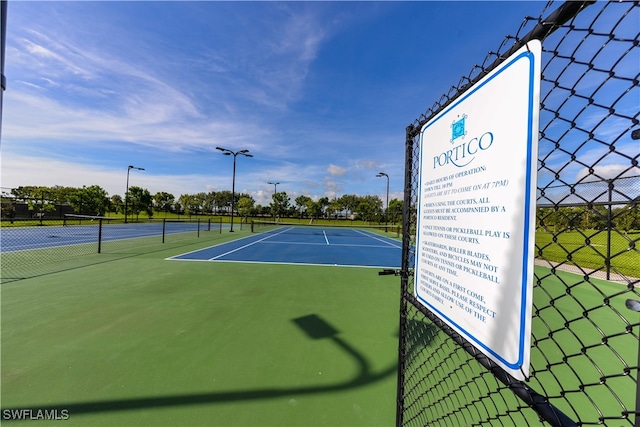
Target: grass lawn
point(584, 345)
point(588, 249)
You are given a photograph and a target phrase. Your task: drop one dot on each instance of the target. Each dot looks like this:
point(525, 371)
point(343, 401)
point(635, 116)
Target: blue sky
point(319, 92)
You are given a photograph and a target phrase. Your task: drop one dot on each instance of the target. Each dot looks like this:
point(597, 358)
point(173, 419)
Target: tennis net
point(389, 230)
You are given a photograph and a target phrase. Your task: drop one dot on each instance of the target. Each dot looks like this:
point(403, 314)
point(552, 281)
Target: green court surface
point(137, 340)
point(127, 338)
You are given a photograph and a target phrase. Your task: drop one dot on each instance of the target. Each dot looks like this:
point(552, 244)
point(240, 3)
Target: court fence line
point(585, 346)
point(30, 248)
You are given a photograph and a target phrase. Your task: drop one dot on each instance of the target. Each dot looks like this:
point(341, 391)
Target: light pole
point(233, 182)
point(3, 37)
point(275, 191)
point(381, 174)
point(126, 194)
point(275, 186)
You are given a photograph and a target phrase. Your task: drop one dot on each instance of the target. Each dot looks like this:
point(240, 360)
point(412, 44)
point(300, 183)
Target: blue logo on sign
point(457, 128)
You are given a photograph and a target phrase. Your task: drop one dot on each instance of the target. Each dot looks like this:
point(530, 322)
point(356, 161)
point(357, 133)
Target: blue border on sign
point(525, 273)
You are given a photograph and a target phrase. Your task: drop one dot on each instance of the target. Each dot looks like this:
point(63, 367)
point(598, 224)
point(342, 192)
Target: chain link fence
point(585, 324)
point(34, 247)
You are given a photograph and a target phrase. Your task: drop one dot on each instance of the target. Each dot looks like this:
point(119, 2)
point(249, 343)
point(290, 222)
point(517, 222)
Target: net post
point(252, 230)
point(220, 224)
point(198, 227)
point(100, 235)
point(164, 226)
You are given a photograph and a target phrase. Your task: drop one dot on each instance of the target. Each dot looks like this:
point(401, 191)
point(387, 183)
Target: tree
point(210, 202)
point(116, 204)
point(334, 207)
point(280, 204)
point(8, 207)
point(199, 202)
point(324, 203)
point(92, 200)
point(189, 204)
point(61, 195)
point(139, 199)
point(301, 203)
point(370, 208)
point(245, 207)
point(163, 201)
point(395, 210)
point(38, 199)
point(262, 210)
point(627, 218)
point(349, 202)
point(223, 200)
point(314, 209)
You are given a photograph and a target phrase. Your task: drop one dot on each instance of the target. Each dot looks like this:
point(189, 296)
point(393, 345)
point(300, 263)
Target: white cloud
point(607, 172)
point(20, 170)
point(368, 164)
point(334, 170)
point(153, 124)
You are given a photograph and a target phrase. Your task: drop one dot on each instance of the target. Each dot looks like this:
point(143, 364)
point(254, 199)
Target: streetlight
point(233, 182)
point(275, 186)
point(126, 194)
point(275, 191)
point(381, 174)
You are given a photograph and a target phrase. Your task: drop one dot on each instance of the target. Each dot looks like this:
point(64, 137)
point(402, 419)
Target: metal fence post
point(609, 225)
point(100, 235)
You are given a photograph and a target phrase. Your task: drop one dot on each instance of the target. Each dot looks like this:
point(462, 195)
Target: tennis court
point(309, 245)
point(136, 340)
point(28, 238)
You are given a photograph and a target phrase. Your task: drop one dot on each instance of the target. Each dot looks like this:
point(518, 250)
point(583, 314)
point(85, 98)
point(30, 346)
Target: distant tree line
point(94, 200)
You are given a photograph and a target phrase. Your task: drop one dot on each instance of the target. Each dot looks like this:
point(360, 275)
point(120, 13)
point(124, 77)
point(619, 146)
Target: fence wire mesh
point(585, 332)
point(34, 247)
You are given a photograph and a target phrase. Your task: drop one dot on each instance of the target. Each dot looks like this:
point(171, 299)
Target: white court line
point(250, 244)
point(325, 237)
point(288, 263)
point(377, 238)
point(349, 245)
point(209, 247)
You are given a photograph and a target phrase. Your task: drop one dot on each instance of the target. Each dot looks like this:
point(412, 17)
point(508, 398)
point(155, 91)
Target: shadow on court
point(315, 328)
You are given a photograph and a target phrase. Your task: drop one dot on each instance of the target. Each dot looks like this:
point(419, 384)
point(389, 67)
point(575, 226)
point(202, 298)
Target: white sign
point(476, 211)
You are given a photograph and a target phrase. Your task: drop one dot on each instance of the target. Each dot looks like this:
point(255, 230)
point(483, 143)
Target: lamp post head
point(228, 152)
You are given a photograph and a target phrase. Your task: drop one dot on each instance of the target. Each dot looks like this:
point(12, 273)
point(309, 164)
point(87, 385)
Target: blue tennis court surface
point(29, 238)
point(318, 246)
